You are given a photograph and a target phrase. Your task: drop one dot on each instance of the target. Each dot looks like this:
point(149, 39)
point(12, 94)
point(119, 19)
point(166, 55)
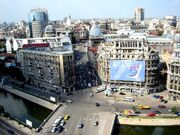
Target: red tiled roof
point(36, 45)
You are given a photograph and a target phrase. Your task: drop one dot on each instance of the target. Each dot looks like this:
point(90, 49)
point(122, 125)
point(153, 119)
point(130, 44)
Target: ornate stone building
point(131, 50)
point(173, 78)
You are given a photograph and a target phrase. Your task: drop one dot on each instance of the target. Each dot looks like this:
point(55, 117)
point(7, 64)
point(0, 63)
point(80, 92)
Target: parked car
point(121, 93)
point(59, 129)
point(162, 106)
point(137, 112)
point(53, 129)
point(69, 94)
point(69, 101)
point(66, 117)
point(157, 112)
point(151, 114)
point(62, 123)
point(177, 113)
point(10, 131)
point(165, 101)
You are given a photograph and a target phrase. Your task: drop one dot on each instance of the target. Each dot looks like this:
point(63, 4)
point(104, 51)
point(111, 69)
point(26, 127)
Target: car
point(95, 123)
point(122, 93)
point(62, 123)
point(10, 131)
point(162, 106)
point(80, 125)
point(69, 101)
point(97, 104)
point(53, 130)
point(59, 129)
point(61, 117)
point(157, 96)
point(177, 113)
point(151, 114)
point(165, 101)
point(157, 112)
point(137, 112)
point(66, 117)
point(69, 94)
point(161, 97)
point(162, 100)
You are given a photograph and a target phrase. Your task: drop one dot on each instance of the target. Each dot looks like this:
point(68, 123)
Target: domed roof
point(49, 28)
point(95, 31)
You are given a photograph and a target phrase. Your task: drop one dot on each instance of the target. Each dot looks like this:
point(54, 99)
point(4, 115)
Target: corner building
point(129, 51)
point(173, 77)
point(49, 68)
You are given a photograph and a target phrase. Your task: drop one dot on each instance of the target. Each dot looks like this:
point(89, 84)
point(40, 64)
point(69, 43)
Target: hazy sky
point(17, 10)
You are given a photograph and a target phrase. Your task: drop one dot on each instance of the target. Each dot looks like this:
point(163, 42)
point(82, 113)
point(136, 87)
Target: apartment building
point(48, 68)
point(173, 77)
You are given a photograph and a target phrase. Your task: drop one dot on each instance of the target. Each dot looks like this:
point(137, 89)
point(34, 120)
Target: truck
point(143, 107)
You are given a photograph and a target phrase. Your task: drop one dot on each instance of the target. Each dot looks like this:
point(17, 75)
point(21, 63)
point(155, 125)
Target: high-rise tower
point(139, 15)
point(38, 20)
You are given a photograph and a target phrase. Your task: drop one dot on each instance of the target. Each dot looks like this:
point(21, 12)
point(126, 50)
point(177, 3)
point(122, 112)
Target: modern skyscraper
point(139, 15)
point(38, 20)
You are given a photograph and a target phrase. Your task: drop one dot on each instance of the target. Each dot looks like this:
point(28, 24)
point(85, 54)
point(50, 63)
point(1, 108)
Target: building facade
point(130, 50)
point(48, 68)
point(38, 20)
point(173, 77)
point(139, 15)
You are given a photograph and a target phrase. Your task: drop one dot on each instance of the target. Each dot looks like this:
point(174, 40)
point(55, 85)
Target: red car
point(152, 114)
point(162, 106)
point(161, 97)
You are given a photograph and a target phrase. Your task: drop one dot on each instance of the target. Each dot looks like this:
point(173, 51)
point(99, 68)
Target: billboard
point(127, 70)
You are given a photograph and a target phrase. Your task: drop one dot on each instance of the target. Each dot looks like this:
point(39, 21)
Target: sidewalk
point(31, 98)
point(149, 121)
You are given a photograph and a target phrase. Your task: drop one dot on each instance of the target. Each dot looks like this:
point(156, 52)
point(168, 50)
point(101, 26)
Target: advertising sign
point(127, 70)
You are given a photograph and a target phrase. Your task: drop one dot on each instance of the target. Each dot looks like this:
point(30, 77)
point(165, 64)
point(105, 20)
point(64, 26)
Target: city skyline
point(84, 9)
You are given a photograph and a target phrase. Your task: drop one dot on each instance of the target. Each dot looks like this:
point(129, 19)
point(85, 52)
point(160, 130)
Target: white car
point(69, 101)
point(62, 123)
point(61, 117)
point(95, 123)
point(53, 130)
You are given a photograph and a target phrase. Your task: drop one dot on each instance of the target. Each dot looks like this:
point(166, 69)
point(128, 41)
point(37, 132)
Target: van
point(129, 99)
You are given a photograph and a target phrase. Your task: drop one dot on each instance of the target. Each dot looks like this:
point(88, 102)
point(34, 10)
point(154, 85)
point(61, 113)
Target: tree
point(133, 108)
point(174, 109)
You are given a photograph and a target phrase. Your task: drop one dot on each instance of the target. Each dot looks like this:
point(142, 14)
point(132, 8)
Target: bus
point(129, 99)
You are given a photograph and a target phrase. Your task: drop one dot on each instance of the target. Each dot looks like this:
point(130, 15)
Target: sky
point(17, 10)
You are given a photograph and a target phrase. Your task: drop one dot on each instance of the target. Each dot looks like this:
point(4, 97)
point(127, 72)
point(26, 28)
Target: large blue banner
point(127, 70)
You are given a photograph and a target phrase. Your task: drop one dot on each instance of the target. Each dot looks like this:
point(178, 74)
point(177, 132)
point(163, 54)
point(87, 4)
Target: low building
point(130, 65)
point(48, 68)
